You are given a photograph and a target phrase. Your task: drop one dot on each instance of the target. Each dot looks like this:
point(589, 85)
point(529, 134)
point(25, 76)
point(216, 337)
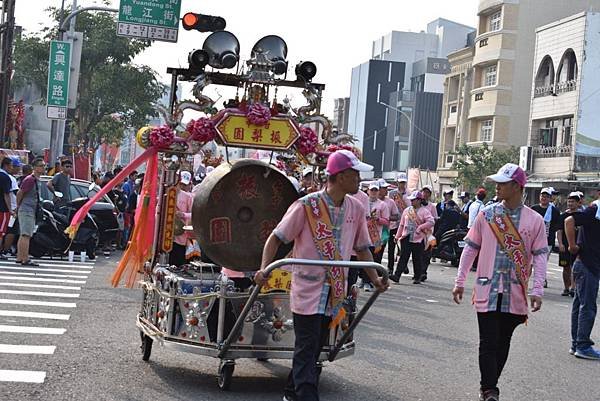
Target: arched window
point(544, 78)
point(566, 77)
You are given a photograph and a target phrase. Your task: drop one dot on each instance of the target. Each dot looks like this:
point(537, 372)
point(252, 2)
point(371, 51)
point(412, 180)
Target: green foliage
point(474, 163)
point(109, 83)
point(109, 129)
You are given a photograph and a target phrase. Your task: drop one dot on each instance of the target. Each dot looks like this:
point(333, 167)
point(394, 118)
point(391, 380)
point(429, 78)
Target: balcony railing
point(541, 91)
point(566, 86)
point(542, 151)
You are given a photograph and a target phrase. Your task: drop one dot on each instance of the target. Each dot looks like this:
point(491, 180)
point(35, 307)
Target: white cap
point(547, 191)
point(185, 177)
point(374, 185)
point(509, 172)
point(448, 191)
point(576, 194)
point(415, 195)
point(428, 187)
point(382, 183)
point(402, 177)
point(307, 171)
point(554, 191)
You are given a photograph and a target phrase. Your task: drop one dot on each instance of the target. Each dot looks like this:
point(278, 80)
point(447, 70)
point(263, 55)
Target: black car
point(103, 211)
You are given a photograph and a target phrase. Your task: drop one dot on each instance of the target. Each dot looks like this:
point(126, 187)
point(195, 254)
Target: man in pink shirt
point(393, 226)
point(427, 191)
point(344, 223)
point(509, 238)
point(185, 200)
point(415, 222)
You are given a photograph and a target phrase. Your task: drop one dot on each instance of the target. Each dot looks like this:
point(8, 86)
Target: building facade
point(564, 142)
point(341, 111)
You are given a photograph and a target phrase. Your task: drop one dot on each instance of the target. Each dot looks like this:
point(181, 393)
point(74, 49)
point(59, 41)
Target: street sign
point(149, 19)
point(58, 79)
point(278, 134)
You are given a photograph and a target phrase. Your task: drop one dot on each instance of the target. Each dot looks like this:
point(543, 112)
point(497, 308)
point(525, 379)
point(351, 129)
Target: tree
point(475, 163)
point(109, 83)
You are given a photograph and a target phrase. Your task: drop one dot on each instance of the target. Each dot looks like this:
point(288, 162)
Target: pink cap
point(509, 172)
point(343, 159)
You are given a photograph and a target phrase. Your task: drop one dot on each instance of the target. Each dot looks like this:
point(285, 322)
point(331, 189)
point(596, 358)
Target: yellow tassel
point(338, 318)
point(72, 231)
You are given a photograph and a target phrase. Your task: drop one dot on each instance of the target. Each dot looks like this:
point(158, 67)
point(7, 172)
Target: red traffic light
point(202, 23)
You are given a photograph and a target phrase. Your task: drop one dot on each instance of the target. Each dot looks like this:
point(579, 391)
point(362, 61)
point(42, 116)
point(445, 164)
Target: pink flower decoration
point(308, 141)
point(162, 137)
point(258, 114)
point(202, 130)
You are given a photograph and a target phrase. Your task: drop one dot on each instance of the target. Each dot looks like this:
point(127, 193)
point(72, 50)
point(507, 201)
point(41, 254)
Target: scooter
point(450, 246)
point(50, 238)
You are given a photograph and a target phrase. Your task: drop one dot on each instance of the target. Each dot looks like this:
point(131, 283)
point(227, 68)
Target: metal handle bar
point(224, 347)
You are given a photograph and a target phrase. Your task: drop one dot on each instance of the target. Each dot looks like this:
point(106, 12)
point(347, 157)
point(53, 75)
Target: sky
point(336, 35)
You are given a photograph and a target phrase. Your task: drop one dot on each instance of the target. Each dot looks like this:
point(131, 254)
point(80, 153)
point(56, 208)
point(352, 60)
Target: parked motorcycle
point(450, 246)
point(50, 238)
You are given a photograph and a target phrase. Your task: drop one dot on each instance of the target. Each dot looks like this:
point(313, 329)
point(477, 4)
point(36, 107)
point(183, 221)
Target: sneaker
point(423, 278)
point(565, 292)
point(359, 283)
point(587, 353)
point(572, 293)
point(572, 351)
point(289, 397)
point(416, 281)
point(369, 287)
point(489, 395)
point(395, 278)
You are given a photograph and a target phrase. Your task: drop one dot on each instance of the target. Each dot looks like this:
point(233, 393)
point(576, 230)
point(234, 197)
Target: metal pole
point(6, 62)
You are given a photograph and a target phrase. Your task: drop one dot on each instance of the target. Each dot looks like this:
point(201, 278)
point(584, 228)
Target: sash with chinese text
point(319, 220)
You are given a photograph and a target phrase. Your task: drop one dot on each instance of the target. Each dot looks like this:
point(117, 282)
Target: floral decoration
point(258, 114)
point(162, 137)
point(308, 141)
point(202, 130)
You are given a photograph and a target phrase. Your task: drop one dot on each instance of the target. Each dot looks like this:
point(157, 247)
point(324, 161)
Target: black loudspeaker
point(223, 49)
point(275, 50)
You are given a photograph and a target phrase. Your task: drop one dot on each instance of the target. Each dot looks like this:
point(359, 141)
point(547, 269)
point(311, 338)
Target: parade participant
point(394, 219)
point(323, 225)
point(415, 223)
point(427, 191)
point(183, 216)
point(465, 198)
point(27, 205)
point(477, 205)
point(13, 229)
point(586, 273)
point(6, 210)
point(400, 197)
point(509, 238)
point(551, 216)
point(378, 218)
point(61, 182)
point(565, 258)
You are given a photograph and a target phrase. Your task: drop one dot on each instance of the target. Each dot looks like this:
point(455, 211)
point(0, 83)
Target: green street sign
point(149, 19)
point(59, 67)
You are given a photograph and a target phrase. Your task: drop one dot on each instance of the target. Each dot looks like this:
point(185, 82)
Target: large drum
point(235, 210)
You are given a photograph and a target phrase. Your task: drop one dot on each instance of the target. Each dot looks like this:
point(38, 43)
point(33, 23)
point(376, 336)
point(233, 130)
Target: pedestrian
point(6, 210)
point(427, 191)
point(551, 216)
point(509, 238)
point(415, 223)
point(316, 223)
point(378, 218)
point(448, 194)
point(307, 182)
point(28, 199)
point(61, 182)
point(586, 274)
point(13, 225)
point(466, 201)
point(129, 185)
point(183, 216)
point(400, 198)
point(477, 205)
point(393, 226)
point(565, 258)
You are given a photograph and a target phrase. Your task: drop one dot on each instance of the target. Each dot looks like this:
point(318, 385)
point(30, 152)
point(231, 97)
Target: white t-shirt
point(474, 209)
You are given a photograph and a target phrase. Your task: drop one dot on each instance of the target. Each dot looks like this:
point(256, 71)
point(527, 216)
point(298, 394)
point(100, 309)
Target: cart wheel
point(225, 375)
point(146, 347)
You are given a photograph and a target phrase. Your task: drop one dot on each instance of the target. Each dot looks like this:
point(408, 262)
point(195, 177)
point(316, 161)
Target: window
point(485, 134)
point(567, 127)
point(483, 42)
point(452, 109)
point(490, 75)
point(496, 21)
point(478, 96)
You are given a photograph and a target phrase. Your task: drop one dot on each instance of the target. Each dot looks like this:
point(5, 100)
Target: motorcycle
point(450, 246)
point(50, 238)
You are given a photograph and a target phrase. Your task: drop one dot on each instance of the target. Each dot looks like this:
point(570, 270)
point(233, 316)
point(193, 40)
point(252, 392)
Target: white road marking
point(40, 274)
point(55, 287)
point(30, 330)
point(35, 315)
point(42, 264)
point(40, 294)
point(27, 349)
point(23, 376)
point(431, 301)
point(33, 269)
point(76, 261)
point(45, 280)
point(37, 303)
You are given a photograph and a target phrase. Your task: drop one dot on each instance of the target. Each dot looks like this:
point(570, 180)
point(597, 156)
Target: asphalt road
point(415, 344)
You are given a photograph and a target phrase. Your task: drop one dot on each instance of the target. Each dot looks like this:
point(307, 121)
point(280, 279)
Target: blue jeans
point(583, 313)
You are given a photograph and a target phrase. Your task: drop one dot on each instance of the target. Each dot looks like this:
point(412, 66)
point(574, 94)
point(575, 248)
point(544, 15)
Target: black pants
point(415, 249)
point(391, 250)
point(311, 333)
point(495, 332)
point(177, 255)
point(426, 260)
point(377, 257)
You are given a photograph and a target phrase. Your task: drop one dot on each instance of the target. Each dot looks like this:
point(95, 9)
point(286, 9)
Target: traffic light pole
point(7, 29)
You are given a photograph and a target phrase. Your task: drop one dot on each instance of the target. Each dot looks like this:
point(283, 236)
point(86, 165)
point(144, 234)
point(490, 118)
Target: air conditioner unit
point(526, 158)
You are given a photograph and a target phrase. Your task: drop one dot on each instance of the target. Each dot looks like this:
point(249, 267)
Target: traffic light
point(203, 23)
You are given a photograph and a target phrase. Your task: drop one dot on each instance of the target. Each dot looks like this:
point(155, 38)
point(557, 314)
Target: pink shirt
point(482, 241)
point(393, 209)
point(431, 208)
point(185, 201)
point(363, 198)
point(308, 281)
point(379, 210)
point(424, 223)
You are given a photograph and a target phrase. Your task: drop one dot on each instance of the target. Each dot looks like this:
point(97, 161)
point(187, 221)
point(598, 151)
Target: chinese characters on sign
point(149, 19)
point(58, 79)
point(278, 133)
point(169, 220)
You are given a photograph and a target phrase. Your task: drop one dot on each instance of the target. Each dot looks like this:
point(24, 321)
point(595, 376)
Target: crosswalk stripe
point(34, 269)
point(45, 280)
point(27, 349)
point(23, 376)
point(9, 274)
point(40, 293)
point(42, 264)
point(31, 330)
point(35, 315)
point(54, 287)
point(37, 303)
point(44, 260)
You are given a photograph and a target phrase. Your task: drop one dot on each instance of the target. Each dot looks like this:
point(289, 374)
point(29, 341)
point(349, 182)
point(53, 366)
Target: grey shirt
point(62, 183)
point(30, 194)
